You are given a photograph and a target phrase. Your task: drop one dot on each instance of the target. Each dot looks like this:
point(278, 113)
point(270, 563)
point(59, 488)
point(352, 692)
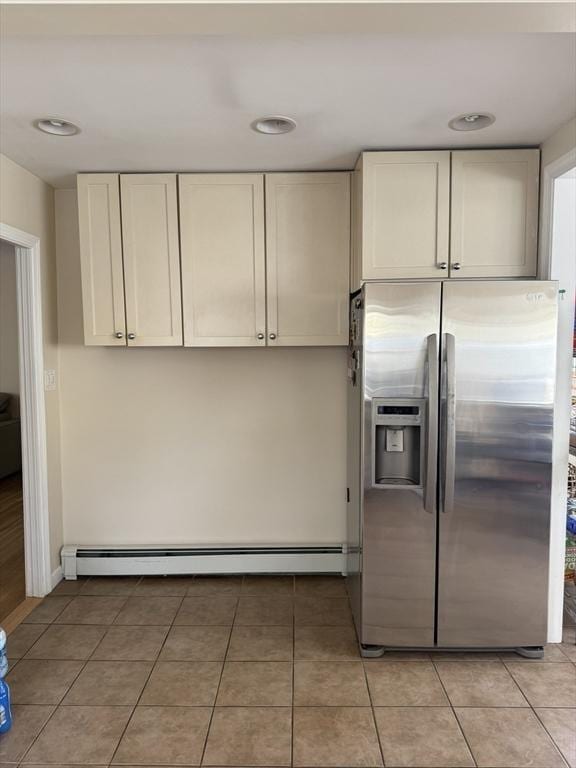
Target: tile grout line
point(220, 678)
point(372, 707)
point(454, 714)
point(152, 668)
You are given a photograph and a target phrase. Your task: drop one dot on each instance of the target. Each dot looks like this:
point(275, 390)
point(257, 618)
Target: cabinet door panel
point(307, 257)
point(494, 213)
point(151, 259)
point(223, 262)
point(101, 259)
point(405, 206)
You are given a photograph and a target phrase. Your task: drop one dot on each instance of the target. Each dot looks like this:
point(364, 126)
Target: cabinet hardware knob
point(456, 265)
point(443, 265)
point(131, 336)
point(119, 335)
point(272, 336)
point(260, 336)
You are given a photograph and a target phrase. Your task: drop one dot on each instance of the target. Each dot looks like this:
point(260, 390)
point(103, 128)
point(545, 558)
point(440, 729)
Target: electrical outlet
point(49, 380)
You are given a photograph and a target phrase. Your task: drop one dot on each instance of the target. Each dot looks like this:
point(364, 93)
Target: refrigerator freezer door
point(498, 363)
point(401, 326)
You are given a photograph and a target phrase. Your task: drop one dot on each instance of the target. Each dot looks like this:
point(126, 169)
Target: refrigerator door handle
point(432, 426)
point(450, 413)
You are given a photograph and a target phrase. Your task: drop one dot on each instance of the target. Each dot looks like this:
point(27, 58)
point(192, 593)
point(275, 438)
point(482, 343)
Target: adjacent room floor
point(265, 671)
point(12, 571)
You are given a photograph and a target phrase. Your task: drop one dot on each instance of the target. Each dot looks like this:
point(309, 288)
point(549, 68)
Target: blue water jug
point(5, 712)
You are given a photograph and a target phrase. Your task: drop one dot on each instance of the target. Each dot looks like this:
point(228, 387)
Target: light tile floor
point(265, 671)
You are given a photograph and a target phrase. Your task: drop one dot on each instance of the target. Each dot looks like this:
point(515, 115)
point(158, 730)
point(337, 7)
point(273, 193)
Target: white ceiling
point(170, 102)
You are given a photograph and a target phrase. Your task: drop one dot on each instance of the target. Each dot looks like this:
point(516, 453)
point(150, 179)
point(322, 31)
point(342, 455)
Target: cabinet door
point(494, 213)
point(151, 259)
point(223, 262)
point(101, 259)
point(405, 207)
point(307, 258)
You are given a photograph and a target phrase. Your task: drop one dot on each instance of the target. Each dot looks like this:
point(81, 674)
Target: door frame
point(32, 410)
point(548, 270)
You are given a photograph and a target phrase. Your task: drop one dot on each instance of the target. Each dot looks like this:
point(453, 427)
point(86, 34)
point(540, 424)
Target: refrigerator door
point(401, 326)
point(497, 394)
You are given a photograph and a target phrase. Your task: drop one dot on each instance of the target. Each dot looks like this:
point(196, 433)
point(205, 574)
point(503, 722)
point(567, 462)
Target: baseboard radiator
point(165, 561)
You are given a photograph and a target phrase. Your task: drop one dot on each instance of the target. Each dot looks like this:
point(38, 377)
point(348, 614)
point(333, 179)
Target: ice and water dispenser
point(398, 448)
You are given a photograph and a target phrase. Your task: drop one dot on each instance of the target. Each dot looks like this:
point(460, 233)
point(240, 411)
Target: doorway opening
point(24, 530)
point(559, 263)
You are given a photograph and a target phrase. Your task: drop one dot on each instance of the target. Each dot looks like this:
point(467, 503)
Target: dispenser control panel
point(398, 431)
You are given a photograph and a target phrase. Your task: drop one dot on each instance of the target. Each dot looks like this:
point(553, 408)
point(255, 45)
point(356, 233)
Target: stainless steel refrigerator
point(450, 406)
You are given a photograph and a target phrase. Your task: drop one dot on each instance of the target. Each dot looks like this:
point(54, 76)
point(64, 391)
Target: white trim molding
point(551, 267)
point(33, 413)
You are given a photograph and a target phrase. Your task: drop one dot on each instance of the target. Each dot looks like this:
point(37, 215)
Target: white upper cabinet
point(223, 259)
point(307, 257)
point(101, 259)
point(494, 227)
point(151, 259)
point(401, 214)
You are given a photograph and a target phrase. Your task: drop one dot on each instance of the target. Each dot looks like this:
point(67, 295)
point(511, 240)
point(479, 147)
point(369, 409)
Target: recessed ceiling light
point(56, 126)
point(472, 121)
point(273, 124)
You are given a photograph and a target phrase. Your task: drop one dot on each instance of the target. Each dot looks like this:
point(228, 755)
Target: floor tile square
point(215, 585)
point(261, 644)
point(148, 611)
point(206, 611)
point(110, 586)
point(27, 722)
point(249, 736)
point(569, 650)
point(164, 586)
point(23, 638)
point(405, 684)
point(48, 610)
point(182, 684)
point(479, 684)
point(546, 684)
point(335, 737)
point(330, 684)
point(131, 644)
point(508, 738)
point(59, 742)
point(268, 585)
point(196, 644)
point(109, 683)
point(561, 725)
point(72, 642)
point(322, 611)
point(91, 610)
point(264, 611)
point(164, 736)
point(68, 586)
point(320, 586)
point(427, 737)
point(325, 644)
point(42, 682)
point(256, 683)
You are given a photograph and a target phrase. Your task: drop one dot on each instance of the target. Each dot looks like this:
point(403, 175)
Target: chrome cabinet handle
point(432, 453)
point(456, 265)
point(443, 265)
point(260, 336)
point(272, 336)
point(119, 335)
point(450, 409)
point(131, 336)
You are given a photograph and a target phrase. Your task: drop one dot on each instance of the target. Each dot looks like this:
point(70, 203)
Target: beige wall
point(27, 203)
point(189, 446)
point(9, 373)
